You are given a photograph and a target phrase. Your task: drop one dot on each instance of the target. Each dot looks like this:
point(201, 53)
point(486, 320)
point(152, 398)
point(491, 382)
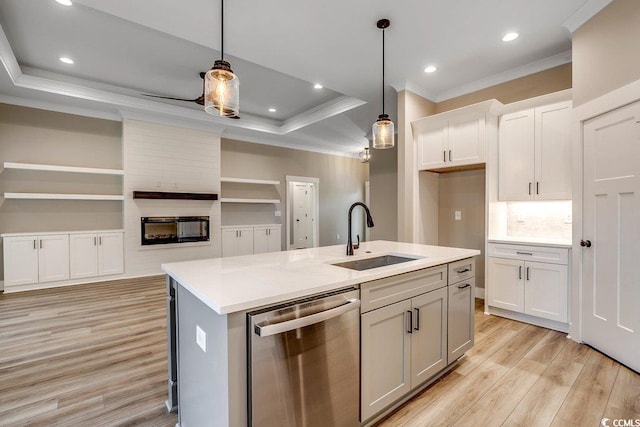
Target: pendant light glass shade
point(383, 132)
point(221, 85)
point(365, 155)
point(383, 129)
point(221, 91)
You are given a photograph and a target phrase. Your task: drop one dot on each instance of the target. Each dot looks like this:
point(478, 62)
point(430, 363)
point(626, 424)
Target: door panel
point(546, 290)
point(611, 279)
point(110, 254)
point(432, 147)
point(83, 255)
point(429, 335)
point(20, 260)
point(467, 142)
point(506, 284)
point(553, 152)
point(53, 258)
point(516, 155)
point(460, 323)
point(302, 216)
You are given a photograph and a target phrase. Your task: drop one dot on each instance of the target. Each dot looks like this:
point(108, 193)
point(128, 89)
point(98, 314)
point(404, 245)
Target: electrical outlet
point(567, 219)
point(201, 338)
point(337, 237)
point(458, 215)
point(278, 213)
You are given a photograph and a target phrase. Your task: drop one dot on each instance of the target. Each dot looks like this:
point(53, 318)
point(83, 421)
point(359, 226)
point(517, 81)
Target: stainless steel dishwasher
point(304, 362)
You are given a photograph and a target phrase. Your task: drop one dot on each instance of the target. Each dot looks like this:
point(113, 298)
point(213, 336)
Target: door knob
point(585, 243)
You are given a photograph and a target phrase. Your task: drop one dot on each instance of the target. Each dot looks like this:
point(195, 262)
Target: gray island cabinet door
point(461, 311)
point(428, 336)
point(385, 356)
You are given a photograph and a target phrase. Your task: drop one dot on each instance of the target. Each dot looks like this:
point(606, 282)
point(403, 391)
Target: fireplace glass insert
point(158, 230)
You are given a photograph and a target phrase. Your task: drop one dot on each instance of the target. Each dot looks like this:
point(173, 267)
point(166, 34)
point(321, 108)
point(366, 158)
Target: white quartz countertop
point(533, 241)
point(51, 233)
point(242, 283)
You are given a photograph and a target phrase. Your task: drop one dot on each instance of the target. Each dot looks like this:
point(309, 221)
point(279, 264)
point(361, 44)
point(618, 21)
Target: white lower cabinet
point(36, 259)
point(237, 241)
point(402, 346)
point(266, 239)
point(31, 259)
point(251, 239)
point(96, 254)
point(534, 288)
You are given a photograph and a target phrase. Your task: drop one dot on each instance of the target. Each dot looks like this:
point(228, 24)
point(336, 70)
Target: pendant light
point(365, 155)
point(221, 85)
point(383, 129)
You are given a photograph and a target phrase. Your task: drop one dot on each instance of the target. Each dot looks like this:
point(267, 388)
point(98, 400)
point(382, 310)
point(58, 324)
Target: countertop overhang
point(233, 284)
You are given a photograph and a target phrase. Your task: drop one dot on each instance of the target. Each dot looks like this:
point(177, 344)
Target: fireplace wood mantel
point(174, 195)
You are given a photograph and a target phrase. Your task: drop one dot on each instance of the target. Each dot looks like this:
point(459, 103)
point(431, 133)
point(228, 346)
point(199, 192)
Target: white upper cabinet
point(534, 154)
point(456, 138)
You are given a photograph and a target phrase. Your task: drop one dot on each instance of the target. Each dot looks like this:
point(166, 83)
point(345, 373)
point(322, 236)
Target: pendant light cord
point(383, 71)
point(222, 30)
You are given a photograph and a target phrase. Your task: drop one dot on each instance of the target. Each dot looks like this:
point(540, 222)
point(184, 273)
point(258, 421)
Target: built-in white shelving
point(250, 181)
point(234, 200)
point(54, 196)
point(56, 168)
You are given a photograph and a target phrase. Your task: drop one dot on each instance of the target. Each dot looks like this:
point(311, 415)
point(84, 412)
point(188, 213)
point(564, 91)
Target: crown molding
point(515, 73)
point(583, 14)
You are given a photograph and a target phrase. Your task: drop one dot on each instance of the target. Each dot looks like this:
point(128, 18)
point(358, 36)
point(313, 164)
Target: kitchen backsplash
point(539, 219)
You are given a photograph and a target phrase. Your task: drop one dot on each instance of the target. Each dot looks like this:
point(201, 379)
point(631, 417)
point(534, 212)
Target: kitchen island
point(213, 297)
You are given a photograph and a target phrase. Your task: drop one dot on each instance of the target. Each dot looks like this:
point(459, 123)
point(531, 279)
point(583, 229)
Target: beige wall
point(383, 178)
point(410, 108)
point(605, 51)
point(541, 83)
point(29, 135)
point(464, 192)
point(341, 184)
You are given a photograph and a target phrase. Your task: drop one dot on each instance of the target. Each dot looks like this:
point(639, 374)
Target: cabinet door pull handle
point(528, 273)
point(465, 286)
point(529, 188)
point(449, 155)
point(34, 244)
point(40, 243)
point(444, 156)
point(520, 273)
point(417, 327)
point(463, 270)
point(537, 187)
point(94, 241)
point(409, 330)
point(100, 241)
point(524, 253)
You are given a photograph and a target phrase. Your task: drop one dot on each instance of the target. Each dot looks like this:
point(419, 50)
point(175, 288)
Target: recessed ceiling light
point(509, 37)
point(430, 69)
point(317, 86)
point(66, 60)
point(272, 110)
point(65, 2)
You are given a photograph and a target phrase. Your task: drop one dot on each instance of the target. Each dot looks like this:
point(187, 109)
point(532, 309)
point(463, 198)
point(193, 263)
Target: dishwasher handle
point(290, 325)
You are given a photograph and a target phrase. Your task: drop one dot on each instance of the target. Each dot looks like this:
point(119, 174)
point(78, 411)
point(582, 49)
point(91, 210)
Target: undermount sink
point(374, 262)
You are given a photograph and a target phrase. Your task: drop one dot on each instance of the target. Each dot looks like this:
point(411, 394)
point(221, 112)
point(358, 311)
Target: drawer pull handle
point(520, 273)
point(410, 328)
point(465, 286)
point(463, 271)
point(524, 253)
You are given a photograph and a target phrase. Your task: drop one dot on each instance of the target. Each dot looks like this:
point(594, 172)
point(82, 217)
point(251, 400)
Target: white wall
point(167, 158)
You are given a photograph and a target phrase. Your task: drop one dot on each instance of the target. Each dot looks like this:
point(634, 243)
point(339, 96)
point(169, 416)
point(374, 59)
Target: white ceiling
point(279, 49)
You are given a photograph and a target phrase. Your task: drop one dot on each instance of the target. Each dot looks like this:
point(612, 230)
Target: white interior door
point(611, 278)
point(302, 215)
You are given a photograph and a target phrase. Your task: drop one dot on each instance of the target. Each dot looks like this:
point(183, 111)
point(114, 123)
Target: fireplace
point(159, 230)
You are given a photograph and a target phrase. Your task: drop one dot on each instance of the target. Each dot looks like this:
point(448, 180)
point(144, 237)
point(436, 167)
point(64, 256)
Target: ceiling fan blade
point(169, 97)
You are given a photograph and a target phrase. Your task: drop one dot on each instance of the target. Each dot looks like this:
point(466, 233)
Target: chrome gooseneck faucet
point(350, 245)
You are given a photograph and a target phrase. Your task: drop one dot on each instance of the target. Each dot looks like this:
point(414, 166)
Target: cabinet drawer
point(529, 253)
point(462, 270)
point(379, 293)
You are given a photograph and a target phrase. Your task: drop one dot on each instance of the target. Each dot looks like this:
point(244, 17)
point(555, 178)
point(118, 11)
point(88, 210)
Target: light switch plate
point(278, 213)
point(458, 215)
point(201, 338)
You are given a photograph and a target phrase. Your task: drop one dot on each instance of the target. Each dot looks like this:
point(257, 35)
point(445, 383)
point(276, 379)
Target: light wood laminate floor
point(95, 355)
